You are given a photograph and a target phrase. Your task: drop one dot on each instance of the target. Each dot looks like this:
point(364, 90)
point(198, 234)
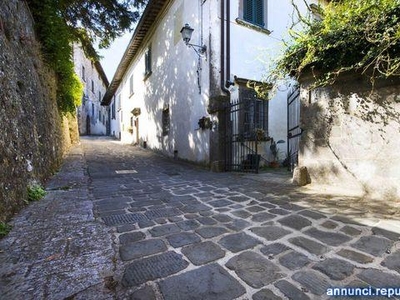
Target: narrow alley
point(121, 222)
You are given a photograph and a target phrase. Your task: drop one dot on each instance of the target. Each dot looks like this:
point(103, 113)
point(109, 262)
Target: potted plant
point(275, 153)
point(260, 135)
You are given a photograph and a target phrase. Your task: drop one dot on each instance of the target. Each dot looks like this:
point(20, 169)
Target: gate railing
point(293, 125)
point(241, 138)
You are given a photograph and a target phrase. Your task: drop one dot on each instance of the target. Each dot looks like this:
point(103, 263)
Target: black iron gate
point(293, 125)
point(246, 124)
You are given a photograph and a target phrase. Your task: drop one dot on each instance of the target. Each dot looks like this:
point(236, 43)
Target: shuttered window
point(147, 61)
point(131, 85)
point(113, 111)
point(253, 12)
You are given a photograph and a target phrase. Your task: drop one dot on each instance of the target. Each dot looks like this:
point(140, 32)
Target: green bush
point(362, 36)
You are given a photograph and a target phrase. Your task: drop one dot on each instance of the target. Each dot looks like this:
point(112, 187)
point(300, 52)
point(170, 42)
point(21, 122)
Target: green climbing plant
point(347, 35)
point(60, 23)
point(55, 39)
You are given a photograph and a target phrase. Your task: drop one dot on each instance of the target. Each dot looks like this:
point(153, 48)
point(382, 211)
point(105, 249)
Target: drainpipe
point(225, 73)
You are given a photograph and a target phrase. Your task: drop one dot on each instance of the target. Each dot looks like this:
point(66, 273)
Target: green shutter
point(248, 10)
point(253, 11)
point(259, 12)
point(147, 61)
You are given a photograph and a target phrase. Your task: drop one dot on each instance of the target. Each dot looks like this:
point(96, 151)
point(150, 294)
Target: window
point(119, 102)
point(254, 112)
point(253, 12)
point(99, 96)
point(92, 86)
point(165, 121)
point(99, 116)
point(113, 111)
point(131, 85)
point(83, 74)
point(147, 62)
point(92, 110)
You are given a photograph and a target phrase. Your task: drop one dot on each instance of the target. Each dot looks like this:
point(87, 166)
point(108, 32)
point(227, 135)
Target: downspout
point(228, 44)
point(225, 73)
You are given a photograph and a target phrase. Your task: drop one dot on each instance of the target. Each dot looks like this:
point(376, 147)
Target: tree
point(88, 21)
point(104, 20)
point(59, 23)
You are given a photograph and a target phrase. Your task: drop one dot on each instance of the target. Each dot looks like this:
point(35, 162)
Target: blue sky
point(112, 56)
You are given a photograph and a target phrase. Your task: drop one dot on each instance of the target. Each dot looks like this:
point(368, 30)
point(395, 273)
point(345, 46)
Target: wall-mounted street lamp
point(186, 33)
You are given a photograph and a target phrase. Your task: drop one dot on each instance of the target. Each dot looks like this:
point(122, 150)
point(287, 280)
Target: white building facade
point(187, 104)
point(93, 118)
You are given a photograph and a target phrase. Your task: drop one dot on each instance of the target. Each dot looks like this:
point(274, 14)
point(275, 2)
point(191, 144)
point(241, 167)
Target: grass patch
point(4, 229)
point(35, 192)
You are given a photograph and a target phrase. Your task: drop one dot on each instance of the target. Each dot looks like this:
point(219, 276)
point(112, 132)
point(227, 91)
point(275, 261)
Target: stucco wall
point(254, 53)
point(33, 135)
point(173, 83)
point(351, 136)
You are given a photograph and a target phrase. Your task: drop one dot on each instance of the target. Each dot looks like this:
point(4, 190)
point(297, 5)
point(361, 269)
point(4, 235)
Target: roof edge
point(148, 18)
point(101, 72)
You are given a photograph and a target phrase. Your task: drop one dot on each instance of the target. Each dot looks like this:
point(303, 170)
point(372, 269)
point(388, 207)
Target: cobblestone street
point(120, 222)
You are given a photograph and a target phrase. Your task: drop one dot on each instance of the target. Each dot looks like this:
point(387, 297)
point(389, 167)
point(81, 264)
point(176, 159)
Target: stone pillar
point(218, 108)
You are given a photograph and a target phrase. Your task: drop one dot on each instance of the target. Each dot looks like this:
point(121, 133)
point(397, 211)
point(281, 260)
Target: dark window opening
point(165, 122)
point(83, 74)
point(113, 111)
point(147, 61)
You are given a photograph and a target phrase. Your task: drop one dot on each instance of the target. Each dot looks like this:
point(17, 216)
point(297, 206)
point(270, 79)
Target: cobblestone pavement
point(121, 222)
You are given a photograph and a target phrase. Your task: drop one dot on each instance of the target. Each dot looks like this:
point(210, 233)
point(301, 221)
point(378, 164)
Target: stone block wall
point(351, 135)
point(33, 135)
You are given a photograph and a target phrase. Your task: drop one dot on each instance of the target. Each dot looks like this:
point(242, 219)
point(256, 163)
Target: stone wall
point(351, 135)
point(34, 136)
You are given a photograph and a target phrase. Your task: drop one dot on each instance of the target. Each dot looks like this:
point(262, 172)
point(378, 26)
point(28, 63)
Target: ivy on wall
point(59, 23)
point(55, 39)
point(362, 36)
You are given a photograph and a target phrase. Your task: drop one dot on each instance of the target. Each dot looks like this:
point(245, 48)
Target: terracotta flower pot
point(274, 164)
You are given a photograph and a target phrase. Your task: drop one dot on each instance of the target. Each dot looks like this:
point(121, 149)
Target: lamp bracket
point(200, 50)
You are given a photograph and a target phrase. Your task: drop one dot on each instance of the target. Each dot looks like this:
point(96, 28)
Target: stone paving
point(135, 225)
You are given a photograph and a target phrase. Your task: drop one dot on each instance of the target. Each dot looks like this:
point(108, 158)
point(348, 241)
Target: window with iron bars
point(253, 114)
